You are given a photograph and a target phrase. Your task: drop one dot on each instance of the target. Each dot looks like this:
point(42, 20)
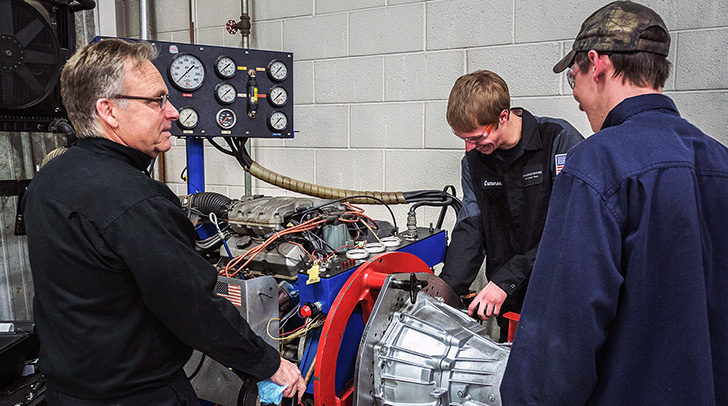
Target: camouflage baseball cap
point(617, 27)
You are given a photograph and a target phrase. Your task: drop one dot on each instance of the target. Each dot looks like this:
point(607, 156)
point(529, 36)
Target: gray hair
point(96, 71)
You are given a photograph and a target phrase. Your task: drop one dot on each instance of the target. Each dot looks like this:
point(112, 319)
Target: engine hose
point(446, 202)
point(53, 154)
point(322, 191)
point(210, 202)
point(80, 5)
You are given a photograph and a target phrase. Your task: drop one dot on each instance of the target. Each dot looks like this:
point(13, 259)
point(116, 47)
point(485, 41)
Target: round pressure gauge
point(278, 96)
point(225, 67)
point(278, 121)
point(186, 72)
point(225, 93)
point(277, 70)
point(188, 118)
point(225, 119)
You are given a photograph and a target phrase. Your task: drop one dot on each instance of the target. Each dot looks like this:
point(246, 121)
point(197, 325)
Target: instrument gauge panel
point(188, 118)
point(278, 96)
point(187, 72)
point(277, 70)
point(278, 121)
point(227, 91)
point(225, 67)
point(225, 119)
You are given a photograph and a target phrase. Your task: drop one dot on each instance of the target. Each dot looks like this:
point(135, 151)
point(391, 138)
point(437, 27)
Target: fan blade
point(30, 80)
point(29, 32)
point(39, 57)
point(6, 18)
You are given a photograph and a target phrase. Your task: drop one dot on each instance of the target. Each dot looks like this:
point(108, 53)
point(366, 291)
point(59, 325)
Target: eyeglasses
point(162, 100)
point(475, 138)
point(570, 75)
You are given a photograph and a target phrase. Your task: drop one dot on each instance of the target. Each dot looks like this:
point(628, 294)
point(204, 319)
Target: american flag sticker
point(230, 292)
point(560, 161)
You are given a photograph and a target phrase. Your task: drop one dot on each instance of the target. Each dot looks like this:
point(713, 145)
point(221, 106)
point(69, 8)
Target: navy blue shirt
point(628, 300)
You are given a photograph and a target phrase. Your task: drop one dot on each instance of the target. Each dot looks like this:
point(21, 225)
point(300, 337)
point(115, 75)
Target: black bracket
point(16, 188)
point(413, 285)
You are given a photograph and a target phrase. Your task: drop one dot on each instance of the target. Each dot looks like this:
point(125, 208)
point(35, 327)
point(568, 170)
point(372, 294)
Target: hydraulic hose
point(80, 5)
point(211, 202)
point(323, 192)
point(53, 154)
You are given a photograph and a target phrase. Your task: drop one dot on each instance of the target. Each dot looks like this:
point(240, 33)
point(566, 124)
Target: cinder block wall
point(372, 79)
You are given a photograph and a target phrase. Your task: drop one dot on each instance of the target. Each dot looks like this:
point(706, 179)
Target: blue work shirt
point(628, 301)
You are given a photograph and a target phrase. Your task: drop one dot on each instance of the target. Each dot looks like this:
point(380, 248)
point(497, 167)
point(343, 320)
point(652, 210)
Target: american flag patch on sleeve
point(230, 292)
point(560, 161)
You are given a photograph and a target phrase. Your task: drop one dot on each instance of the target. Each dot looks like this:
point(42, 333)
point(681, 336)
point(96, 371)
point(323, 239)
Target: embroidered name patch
point(532, 175)
point(492, 184)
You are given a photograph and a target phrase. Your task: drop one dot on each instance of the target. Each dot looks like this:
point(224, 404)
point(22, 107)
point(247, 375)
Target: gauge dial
point(186, 72)
point(188, 118)
point(225, 93)
point(278, 121)
point(225, 67)
point(277, 70)
point(225, 119)
point(278, 96)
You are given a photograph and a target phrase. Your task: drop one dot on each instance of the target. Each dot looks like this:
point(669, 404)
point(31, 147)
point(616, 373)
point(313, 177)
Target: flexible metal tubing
point(324, 192)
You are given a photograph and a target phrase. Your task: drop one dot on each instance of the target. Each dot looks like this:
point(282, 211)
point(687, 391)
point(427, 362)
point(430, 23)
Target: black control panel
point(229, 92)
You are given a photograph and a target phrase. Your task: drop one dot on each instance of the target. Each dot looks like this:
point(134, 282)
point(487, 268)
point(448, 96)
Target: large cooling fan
point(36, 38)
point(30, 54)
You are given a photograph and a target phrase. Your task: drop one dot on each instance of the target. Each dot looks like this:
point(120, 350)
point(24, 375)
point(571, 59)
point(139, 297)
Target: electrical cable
point(198, 368)
point(311, 324)
point(308, 225)
point(184, 178)
point(213, 220)
point(290, 314)
point(310, 372)
point(391, 213)
point(441, 217)
point(220, 147)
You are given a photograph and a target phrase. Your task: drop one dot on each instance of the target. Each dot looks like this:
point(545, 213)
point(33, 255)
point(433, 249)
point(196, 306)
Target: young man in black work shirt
point(511, 160)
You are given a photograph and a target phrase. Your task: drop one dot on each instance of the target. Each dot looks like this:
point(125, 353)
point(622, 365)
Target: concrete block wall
point(372, 79)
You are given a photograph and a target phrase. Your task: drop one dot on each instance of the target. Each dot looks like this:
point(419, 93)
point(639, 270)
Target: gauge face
point(225, 119)
point(278, 96)
point(277, 70)
point(186, 72)
point(188, 118)
point(225, 93)
point(278, 121)
point(225, 67)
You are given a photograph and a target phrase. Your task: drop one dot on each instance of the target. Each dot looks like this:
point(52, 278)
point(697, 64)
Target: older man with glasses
point(627, 303)
point(121, 294)
point(510, 164)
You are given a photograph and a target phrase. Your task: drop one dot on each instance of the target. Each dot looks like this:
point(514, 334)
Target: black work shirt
point(121, 294)
point(505, 198)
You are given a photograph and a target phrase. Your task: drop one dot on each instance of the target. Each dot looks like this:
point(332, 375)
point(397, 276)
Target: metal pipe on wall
point(193, 21)
point(194, 146)
point(246, 38)
point(144, 19)
point(246, 45)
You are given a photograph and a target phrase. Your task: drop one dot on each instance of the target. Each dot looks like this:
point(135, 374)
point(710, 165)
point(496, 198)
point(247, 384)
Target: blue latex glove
point(270, 393)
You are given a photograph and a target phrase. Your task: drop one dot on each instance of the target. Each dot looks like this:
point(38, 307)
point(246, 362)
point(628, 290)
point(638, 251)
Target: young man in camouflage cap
point(635, 248)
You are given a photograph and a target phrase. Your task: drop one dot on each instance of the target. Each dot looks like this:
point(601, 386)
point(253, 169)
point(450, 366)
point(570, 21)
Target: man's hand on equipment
point(488, 301)
point(289, 374)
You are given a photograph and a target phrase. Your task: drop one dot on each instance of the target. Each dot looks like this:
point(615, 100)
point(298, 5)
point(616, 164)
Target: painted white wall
point(372, 79)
